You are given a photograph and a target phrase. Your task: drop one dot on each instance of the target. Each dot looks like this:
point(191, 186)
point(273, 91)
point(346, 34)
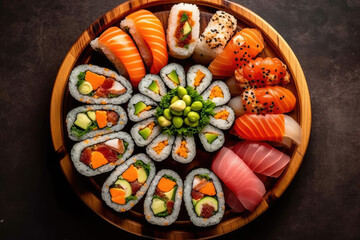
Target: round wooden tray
point(88, 189)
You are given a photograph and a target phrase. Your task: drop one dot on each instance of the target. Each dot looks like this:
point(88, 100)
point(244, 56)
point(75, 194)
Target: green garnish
point(186, 46)
point(130, 198)
point(78, 132)
point(184, 17)
point(146, 167)
point(184, 37)
point(112, 95)
point(125, 147)
point(169, 177)
point(81, 78)
point(204, 176)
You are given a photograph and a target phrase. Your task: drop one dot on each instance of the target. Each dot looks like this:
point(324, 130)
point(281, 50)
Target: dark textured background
point(37, 203)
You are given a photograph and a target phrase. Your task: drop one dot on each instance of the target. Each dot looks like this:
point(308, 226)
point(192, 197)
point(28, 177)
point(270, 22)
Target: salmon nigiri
point(120, 49)
point(238, 177)
point(270, 99)
point(270, 127)
point(244, 46)
point(149, 35)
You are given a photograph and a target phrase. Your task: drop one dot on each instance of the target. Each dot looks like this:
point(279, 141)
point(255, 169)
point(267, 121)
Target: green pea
point(196, 106)
point(186, 111)
point(187, 100)
point(174, 99)
point(167, 114)
point(193, 116)
point(181, 91)
point(189, 123)
point(163, 122)
point(176, 113)
point(178, 122)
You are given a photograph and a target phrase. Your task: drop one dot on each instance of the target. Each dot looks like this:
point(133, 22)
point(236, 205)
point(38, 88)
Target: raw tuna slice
point(262, 158)
point(238, 177)
point(232, 201)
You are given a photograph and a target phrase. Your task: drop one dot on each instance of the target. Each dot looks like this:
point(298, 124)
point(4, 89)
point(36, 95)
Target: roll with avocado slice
point(141, 107)
point(173, 75)
point(153, 87)
point(145, 131)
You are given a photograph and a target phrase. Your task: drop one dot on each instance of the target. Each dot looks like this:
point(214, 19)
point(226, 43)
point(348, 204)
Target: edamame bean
point(167, 114)
point(196, 106)
point(163, 122)
point(178, 122)
point(181, 91)
point(186, 111)
point(179, 105)
point(176, 113)
point(189, 123)
point(187, 100)
point(174, 99)
point(193, 116)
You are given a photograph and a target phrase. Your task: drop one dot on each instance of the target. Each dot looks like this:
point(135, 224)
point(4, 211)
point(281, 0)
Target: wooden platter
point(88, 189)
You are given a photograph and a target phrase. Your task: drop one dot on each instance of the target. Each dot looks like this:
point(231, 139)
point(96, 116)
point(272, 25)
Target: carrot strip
point(95, 80)
point(130, 174)
point(117, 192)
point(97, 159)
point(208, 189)
point(119, 200)
point(166, 184)
point(101, 118)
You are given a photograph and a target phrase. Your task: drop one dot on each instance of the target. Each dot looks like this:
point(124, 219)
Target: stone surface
point(321, 203)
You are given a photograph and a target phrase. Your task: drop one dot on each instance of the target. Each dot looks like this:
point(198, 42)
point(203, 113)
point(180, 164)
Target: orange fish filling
point(94, 79)
point(160, 146)
point(182, 151)
point(224, 114)
point(145, 109)
point(198, 78)
point(216, 92)
point(101, 118)
point(150, 125)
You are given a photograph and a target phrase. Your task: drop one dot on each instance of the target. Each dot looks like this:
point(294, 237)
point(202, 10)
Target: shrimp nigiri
point(270, 99)
point(270, 127)
point(244, 46)
point(120, 49)
point(149, 35)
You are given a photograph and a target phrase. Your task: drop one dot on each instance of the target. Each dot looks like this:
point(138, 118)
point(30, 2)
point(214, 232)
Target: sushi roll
point(120, 49)
point(125, 186)
point(218, 92)
point(199, 78)
point(149, 36)
point(211, 138)
point(163, 199)
point(160, 148)
point(215, 37)
point(184, 149)
point(94, 120)
point(183, 30)
point(141, 107)
point(173, 75)
point(101, 154)
point(224, 117)
point(204, 198)
point(152, 86)
point(145, 131)
point(96, 85)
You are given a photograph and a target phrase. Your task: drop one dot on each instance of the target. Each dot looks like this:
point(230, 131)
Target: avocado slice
point(154, 87)
point(173, 77)
point(211, 137)
point(91, 115)
point(171, 194)
point(158, 206)
point(187, 28)
point(139, 106)
point(126, 186)
point(206, 200)
point(194, 201)
point(145, 132)
point(82, 121)
point(142, 176)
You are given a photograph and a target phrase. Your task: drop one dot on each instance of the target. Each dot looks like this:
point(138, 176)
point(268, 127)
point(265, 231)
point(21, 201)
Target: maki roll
point(163, 200)
point(184, 149)
point(224, 117)
point(145, 131)
point(214, 38)
point(203, 197)
point(173, 75)
point(160, 148)
point(96, 85)
point(152, 86)
point(125, 186)
point(141, 107)
point(101, 154)
point(218, 92)
point(94, 120)
point(183, 30)
point(211, 138)
point(199, 78)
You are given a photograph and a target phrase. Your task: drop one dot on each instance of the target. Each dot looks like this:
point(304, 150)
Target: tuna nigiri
point(270, 99)
point(238, 177)
point(270, 127)
point(246, 44)
point(232, 201)
point(262, 158)
point(149, 35)
point(120, 49)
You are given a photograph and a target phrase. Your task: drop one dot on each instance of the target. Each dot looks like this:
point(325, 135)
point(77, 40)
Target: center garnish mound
point(182, 111)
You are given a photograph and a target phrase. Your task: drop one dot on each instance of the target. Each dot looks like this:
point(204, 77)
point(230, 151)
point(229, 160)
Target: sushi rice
point(80, 146)
point(138, 139)
point(165, 151)
point(105, 192)
point(223, 124)
point(145, 114)
point(191, 75)
point(190, 146)
point(146, 82)
point(217, 100)
point(217, 143)
point(179, 71)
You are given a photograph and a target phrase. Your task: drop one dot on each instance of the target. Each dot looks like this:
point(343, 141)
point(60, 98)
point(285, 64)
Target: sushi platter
point(181, 119)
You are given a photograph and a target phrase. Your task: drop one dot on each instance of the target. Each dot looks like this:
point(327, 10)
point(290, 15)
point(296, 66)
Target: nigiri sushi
point(262, 158)
point(149, 35)
point(238, 177)
point(270, 127)
point(232, 201)
point(120, 49)
point(244, 46)
point(270, 99)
